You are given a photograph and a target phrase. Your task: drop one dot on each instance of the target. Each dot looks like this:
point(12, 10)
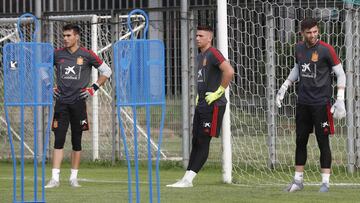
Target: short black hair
point(205, 28)
point(308, 23)
point(74, 27)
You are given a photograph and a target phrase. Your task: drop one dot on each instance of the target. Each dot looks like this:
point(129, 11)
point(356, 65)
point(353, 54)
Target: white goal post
point(226, 125)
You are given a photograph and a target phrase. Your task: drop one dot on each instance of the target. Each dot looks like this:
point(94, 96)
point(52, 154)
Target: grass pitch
point(102, 182)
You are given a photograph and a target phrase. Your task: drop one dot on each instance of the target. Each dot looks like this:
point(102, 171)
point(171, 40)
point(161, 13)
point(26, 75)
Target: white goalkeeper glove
point(338, 109)
point(280, 94)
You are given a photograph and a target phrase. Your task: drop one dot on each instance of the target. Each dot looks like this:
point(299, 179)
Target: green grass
point(106, 183)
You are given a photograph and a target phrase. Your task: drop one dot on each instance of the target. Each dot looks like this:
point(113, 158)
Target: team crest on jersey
point(314, 56)
point(80, 61)
point(204, 61)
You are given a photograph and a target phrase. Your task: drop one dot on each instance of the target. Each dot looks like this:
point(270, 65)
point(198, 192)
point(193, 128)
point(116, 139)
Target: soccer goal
point(261, 39)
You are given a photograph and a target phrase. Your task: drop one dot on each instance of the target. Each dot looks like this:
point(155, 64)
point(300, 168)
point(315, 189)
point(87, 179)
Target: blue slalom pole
point(22, 78)
point(137, 86)
point(136, 157)
point(35, 85)
point(126, 154)
point(158, 151)
point(21, 83)
point(12, 150)
point(149, 151)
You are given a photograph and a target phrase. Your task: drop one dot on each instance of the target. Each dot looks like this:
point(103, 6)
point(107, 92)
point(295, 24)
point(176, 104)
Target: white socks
point(74, 173)
point(299, 176)
point(55, 174)
point(189, 176)
point(325, 178)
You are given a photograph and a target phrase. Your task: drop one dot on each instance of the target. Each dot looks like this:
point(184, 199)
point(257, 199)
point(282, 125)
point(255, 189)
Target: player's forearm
point(228, 73)
point(341, 81)
point(105, 73)
point(101, 80)
point(105, 70)
point(294, 74)
point(340, 76)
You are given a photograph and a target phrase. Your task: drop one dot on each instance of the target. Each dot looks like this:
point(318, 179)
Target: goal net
point(261, 39)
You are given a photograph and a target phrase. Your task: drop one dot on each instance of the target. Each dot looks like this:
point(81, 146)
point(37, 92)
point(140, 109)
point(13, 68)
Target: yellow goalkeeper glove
point(212, 96)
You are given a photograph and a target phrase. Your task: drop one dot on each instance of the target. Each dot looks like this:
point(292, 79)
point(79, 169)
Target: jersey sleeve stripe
point(94, 55)
point(217, 55)
point(332, 52)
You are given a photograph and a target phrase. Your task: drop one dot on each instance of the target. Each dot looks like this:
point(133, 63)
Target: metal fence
point(164, 25)
point(261, 39)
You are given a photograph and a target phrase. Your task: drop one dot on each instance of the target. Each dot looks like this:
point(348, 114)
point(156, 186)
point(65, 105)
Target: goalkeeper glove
point(281, 92)
point(338, 109)
point(197, 99)
point(88, 91)
point(212, 96)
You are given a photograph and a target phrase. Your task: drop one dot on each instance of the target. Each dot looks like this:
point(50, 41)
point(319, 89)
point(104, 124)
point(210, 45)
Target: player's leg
point(198, 156)
point(79, 123)
point(209, 126)
point(324, 127)
point(195, 131)
point(304, 126)
point(193, 152)
point(207, 122)
point(60, 125)
point(201, 144)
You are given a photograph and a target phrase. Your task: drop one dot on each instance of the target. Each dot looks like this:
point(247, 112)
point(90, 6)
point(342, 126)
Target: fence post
point(349, 89)
point(115, 153)
point(356, 63)
point(270, 85)
point(185, 81)
point(39, 110)
point(95, 98)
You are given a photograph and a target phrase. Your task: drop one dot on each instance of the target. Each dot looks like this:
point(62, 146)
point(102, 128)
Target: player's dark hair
point(205, 28)
point(308, 23)
point(73, 27)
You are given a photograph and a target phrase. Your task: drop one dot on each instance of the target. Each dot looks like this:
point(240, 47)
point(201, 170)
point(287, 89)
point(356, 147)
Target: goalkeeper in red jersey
point(315, 60)
point(214, 76)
